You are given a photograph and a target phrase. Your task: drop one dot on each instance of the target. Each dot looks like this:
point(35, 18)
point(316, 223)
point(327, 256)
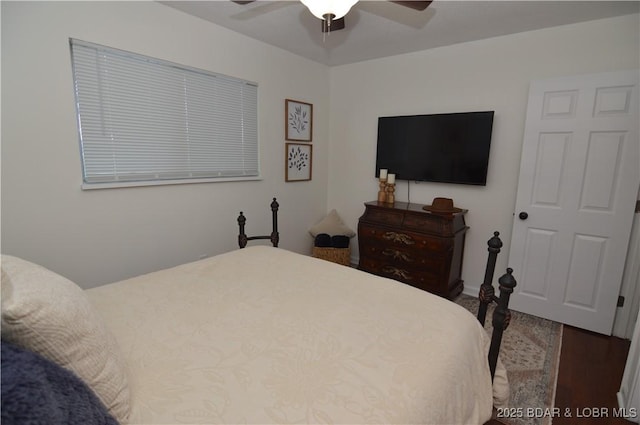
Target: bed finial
point(495, 243)
point(507, 281)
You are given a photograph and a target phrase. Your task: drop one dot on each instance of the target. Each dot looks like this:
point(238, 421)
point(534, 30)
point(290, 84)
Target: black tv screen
point(446, 148)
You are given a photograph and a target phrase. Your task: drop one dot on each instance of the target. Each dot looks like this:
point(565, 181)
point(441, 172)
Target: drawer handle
point(396, 272)
point(398, 237)
point(397, 255)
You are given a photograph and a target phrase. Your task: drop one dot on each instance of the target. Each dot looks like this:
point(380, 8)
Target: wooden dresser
point(406, 243)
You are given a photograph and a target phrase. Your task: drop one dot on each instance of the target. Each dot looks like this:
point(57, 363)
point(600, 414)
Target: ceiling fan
point(331, 12)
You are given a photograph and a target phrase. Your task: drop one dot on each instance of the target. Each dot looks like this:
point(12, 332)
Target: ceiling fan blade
point(417, 5)
point(336, 24)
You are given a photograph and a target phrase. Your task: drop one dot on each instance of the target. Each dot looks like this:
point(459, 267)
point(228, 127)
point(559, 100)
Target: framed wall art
point(298, 162)
point(298, 120)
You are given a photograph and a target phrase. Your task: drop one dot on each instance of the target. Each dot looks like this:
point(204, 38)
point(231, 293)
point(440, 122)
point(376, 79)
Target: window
point(147, 121)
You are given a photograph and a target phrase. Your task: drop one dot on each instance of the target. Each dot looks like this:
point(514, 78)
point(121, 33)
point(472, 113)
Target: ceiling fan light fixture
point(336, 9)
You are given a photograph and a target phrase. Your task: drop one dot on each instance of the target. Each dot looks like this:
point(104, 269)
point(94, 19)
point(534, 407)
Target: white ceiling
point(377, 29)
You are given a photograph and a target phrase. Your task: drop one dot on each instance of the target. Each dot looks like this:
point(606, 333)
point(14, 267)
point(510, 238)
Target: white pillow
point(48, 314)
point(333, 225)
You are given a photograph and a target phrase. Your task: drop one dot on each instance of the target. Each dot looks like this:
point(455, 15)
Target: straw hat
point(442, 206)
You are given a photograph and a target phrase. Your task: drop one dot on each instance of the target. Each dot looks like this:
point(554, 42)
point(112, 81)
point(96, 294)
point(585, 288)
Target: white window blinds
point(144, 119)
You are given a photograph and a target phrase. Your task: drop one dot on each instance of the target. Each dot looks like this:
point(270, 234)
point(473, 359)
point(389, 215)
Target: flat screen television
point(445, 148)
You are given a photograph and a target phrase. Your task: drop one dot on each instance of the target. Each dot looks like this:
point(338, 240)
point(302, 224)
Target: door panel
point(550, 162)
point(601, 171)
point(536, 266)
point(585, 272)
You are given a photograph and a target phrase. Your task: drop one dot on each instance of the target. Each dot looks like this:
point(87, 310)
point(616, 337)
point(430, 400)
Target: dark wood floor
point(591, 368)
point(589, 377)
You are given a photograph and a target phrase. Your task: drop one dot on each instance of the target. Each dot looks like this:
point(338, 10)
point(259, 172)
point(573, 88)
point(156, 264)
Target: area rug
point(530, 351)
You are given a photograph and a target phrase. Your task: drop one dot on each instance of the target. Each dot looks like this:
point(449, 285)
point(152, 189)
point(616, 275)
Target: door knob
point(523, 215)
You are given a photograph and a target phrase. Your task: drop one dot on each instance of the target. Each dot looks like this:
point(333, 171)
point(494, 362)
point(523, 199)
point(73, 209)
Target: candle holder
point(391, 197)
point(382, 193)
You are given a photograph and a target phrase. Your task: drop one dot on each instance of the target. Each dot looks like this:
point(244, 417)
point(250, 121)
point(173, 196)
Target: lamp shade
point(337, 8)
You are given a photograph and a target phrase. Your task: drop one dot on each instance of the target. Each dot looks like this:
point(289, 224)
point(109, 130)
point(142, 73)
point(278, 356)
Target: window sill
point(117, 185)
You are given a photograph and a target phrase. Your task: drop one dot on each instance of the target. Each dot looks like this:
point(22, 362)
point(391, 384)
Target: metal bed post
point(486, 289)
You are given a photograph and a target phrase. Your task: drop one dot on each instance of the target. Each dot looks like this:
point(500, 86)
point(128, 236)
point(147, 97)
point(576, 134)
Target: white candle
point(383, 173)
point(391, 178)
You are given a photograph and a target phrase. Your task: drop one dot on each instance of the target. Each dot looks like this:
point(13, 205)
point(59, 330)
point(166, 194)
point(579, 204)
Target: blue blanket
point(37, 391)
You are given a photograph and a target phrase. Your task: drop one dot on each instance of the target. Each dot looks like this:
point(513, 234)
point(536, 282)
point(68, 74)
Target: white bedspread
point(263, 335)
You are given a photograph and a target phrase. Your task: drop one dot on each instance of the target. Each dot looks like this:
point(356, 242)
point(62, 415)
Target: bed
point(258, 335)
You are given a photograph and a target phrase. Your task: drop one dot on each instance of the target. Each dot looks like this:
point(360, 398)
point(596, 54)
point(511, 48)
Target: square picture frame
point(298, 162)
point(298, 120)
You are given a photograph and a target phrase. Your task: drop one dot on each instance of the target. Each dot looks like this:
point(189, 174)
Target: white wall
point(492, 74)
point(99, 236)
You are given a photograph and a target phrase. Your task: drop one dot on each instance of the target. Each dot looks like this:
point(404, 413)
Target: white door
point(579, 178)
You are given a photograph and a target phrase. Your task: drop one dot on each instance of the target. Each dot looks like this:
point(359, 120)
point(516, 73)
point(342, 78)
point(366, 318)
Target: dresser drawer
point(386, 235)
point(426, 224)
point(434, 224)
point(403, 256)
point(400, 238)
point(420, 278)
point(384, 217)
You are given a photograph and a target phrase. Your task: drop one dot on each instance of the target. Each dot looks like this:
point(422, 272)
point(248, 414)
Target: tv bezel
point(471, 182)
